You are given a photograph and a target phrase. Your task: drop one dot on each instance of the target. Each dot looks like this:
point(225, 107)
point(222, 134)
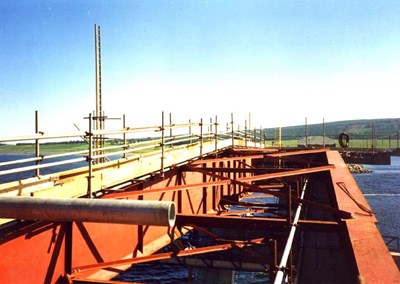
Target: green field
point(385, 131)
point(52, 148)
point(44, 148)
point(384, 144)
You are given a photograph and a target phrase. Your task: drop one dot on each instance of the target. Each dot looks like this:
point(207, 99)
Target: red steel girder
point(240, 212)
point(241, 242)
point(243, 182)
point(253, 204)
point(250, 150)
point(222, 181)
point(239, 170)
point(167, 189)
point(160, 256)
point(281, 155)
point(254, 188)
point(223, 240)
point(227, 159)
point(96, 281)
point(287, 173)
point(298, 152)
point(373, 260)
point(253, 223)
point(296, 172)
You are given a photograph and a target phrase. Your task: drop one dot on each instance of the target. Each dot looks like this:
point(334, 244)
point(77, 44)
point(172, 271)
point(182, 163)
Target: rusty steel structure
point(296, 215)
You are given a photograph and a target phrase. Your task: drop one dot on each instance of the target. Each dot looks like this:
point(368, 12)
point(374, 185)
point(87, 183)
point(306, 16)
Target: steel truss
point(231, 179)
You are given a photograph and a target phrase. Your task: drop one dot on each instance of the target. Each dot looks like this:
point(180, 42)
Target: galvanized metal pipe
point(201, 138)
point(190, 132)
point(232, 131)
point(124, 134)
point(216, 133)
point(288, 247)
point(40, 136)
point(42, 166)
point(127, 130)
point(245, 133)
point(162, 144)
point(139, 212)
point(90, 157)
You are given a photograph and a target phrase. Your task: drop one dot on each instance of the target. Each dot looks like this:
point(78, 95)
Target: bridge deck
point(334, 235)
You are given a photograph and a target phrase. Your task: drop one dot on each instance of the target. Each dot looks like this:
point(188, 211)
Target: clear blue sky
point(279, 60)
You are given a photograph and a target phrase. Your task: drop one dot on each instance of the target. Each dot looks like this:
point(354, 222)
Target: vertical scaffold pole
point(306, 133)
point(216, 134)
point(124, 135)
point(245, 132)
point(99, 105)
point(170, 126)
point(162, 142)
point(190, 131)
point(201, 138)
point(210, 129)
point(323, 133)
point(232, 131)
point(90, 156)
point(37, 144)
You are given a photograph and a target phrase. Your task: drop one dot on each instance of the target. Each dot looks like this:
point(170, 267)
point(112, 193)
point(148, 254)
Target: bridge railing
point(116, 143)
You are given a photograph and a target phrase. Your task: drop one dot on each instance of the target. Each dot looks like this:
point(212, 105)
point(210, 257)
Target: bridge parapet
point(129, 153)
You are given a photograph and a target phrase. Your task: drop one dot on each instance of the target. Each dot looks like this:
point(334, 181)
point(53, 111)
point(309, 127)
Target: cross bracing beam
point(76, 271)
point(219, 264)
point(245, 183)
point(254, 188)
point(273, 175)
point(253, 223)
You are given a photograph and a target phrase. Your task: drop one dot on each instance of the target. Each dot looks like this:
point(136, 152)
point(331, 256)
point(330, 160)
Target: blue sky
point(281, 61)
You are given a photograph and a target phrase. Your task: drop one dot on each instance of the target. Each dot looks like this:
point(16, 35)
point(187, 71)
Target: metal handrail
point(42, 166)
point(41, 136)
point(157, 143)
point(280, 275)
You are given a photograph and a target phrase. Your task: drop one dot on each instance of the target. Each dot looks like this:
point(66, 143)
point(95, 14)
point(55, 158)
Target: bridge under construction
point(214, 199)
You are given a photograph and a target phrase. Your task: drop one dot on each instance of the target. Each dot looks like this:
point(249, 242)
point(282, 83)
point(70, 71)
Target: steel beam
point(153, 257)
point(253, 188)
point(253, 223)
point(219, 264)
point(166, 189)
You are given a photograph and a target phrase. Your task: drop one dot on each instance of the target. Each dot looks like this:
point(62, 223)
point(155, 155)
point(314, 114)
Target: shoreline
point(358, 169)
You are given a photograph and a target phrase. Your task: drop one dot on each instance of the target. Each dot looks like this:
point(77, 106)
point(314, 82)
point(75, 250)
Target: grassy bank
point(356, 144)
point(44, 148)
point(52, 148)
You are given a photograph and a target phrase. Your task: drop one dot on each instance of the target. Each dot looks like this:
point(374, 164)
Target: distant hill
point(357, 129)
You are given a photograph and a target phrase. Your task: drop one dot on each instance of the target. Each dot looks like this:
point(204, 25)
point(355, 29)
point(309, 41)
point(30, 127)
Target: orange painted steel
point(373, 260)
point(155, 257)
point(252, 222)
point(201, 189)
point(252, 188)
point(175, 188)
